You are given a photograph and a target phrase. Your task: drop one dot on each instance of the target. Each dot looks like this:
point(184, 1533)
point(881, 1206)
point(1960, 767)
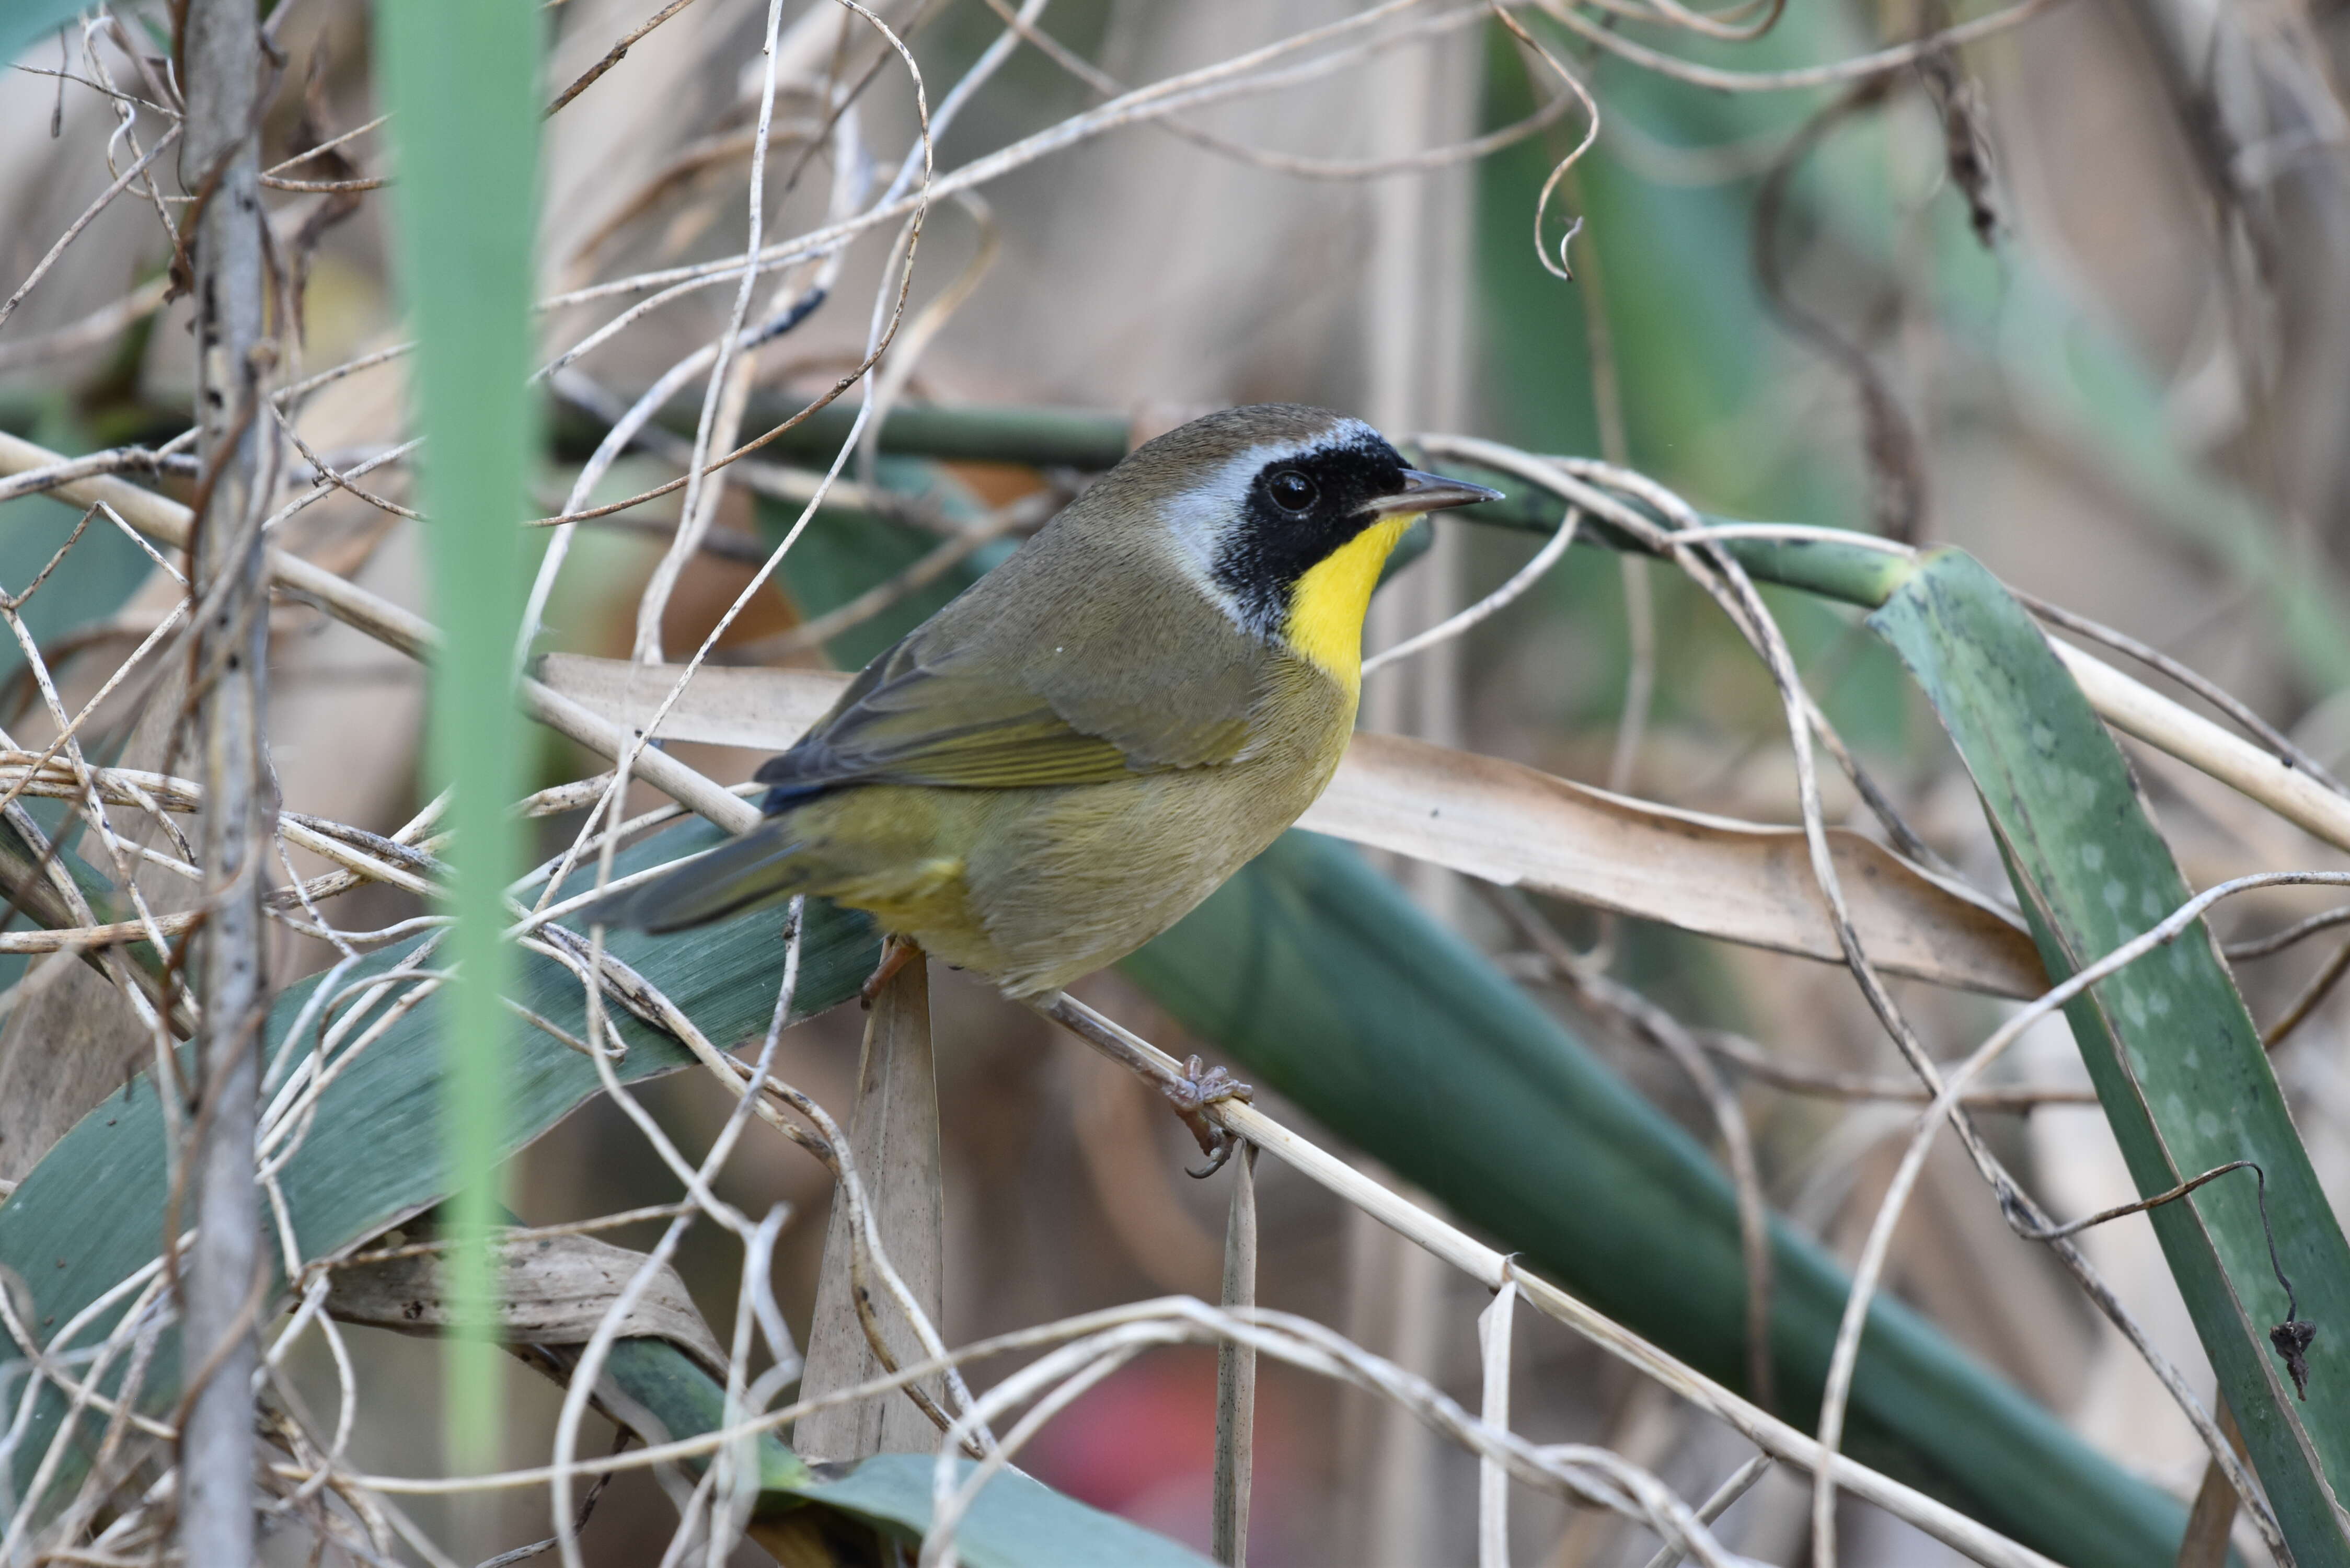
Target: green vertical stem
point(459, 78)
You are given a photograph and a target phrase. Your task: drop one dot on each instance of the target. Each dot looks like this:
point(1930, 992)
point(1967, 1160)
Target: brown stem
point(223, 45)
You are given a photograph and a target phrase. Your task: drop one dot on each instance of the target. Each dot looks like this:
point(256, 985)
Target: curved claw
point(1201, 1085)
point(1217, 1158)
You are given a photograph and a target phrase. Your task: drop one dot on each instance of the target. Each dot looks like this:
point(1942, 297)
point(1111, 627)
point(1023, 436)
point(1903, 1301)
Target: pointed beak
point(1430, 492)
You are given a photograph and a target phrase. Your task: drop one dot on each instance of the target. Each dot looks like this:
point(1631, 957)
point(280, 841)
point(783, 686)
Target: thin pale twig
point(724, 388)
point(2277, 942)
point(1226, 78)
point(1021, 516)
point(2203, 686)
point(121, 183)
point(1490, 1267)
point(2312, 997)
point(1741, 1481)
point(614, 55)
point(1468, 150)
point(89, 331)
point(1659, 1028)
point(1881, 62)
point(328, 145)
point(1493, 604)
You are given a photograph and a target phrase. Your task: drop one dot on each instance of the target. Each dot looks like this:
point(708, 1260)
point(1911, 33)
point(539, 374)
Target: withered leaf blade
point(552, 1291)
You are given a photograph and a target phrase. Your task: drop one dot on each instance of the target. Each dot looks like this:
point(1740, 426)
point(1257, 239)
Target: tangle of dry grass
point(122, 1505)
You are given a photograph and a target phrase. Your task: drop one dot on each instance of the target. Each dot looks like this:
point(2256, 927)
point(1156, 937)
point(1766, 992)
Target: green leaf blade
point(459, 79)
point(2174, 1055)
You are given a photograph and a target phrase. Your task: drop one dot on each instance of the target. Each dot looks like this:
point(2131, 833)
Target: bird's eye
point(1292, 491)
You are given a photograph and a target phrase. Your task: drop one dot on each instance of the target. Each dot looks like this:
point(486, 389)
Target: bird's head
point(1286, 514)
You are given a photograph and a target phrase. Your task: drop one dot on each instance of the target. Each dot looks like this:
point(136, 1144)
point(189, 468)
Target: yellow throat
point(1328, 606)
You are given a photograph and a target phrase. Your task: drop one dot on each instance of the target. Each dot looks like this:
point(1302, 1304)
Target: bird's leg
point(897, 952)
point(1200, 1086)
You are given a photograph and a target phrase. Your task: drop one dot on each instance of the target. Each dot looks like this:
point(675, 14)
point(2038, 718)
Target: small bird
point(1066, 759)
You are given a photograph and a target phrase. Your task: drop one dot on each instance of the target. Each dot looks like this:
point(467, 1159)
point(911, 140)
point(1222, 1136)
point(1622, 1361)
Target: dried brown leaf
point(552, 1291)
point(895, 1134)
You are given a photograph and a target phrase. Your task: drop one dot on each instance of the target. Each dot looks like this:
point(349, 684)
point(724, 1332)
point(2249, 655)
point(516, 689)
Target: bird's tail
point(763, 867)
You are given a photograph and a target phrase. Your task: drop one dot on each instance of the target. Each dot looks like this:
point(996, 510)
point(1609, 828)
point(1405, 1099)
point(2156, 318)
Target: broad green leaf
point(2175, 1056)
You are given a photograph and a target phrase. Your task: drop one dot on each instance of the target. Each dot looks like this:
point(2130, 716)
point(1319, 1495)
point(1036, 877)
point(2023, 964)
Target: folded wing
point(974, 699)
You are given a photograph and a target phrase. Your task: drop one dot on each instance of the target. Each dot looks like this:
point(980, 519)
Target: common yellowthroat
point(1066, 759)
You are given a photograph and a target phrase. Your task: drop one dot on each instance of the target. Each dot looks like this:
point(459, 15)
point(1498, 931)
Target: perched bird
point(1066, 759)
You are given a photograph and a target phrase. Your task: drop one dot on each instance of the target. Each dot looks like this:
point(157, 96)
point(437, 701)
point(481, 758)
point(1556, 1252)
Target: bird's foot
point(1201, 1086)
point(897, 952)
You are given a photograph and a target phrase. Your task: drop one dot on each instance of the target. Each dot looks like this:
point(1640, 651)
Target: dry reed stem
point(1494, 1336)
point(1236, 1375)
point(2211, 691)
point(894, 1124)
point(219, 1288)
point(1741, 1481)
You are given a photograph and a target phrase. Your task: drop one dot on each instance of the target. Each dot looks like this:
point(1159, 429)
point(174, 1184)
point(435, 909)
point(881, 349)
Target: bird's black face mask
point(1301, 509)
